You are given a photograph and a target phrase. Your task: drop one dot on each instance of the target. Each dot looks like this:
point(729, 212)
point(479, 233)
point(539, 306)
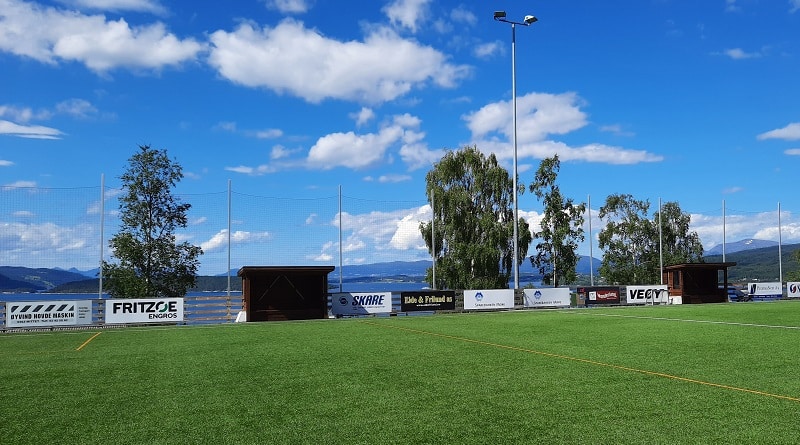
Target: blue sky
point(694, 102)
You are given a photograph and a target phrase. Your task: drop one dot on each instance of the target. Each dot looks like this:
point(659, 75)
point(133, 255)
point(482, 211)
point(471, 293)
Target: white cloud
point(463, 17)
point(289, 6)
point(23, 214)
point(270, 133)
point(352, 150)
point(398, 229)
point(34, 240)
point(76, 107)
point(253, 171)
point(794, 6)
point(790, 132)
point(792, 152)
point(280, 152)
point(5, 163)
point(48, 35)
point(20, 184)
point(407, 13)
point(731, 6)
point(740, 54)
point(324, 68)
point(486, 50)
point(407, 235)
point(364, 150)
point(388, 179)
point(363, 116)
point(24, 114)
point(149, 6)
point(29, 131)
point(539, 116)
point(219, 241)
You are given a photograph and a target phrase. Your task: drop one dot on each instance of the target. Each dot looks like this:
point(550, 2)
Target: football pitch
point(725, 373)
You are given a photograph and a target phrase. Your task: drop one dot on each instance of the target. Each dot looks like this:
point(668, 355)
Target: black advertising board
point(600, 294)
point(428, 300)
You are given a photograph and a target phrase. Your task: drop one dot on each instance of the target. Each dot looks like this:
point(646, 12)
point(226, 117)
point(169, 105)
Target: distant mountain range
point(755, 260)
point(739, 246)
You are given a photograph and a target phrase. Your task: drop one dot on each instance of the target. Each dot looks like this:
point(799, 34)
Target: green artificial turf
point(681, 374)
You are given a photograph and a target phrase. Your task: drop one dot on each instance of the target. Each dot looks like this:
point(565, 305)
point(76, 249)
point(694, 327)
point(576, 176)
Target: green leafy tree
point(561, 227)
point(151, 263)
point(632, 243)
point(627, 241)
point(473, 216)
point(678, 243)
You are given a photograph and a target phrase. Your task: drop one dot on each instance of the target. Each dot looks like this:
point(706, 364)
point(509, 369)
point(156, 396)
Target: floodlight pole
point(500, 16)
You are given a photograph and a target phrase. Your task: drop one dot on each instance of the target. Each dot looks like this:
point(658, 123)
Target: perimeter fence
point(69, 228)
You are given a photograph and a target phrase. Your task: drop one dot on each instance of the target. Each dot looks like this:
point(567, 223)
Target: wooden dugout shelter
point(272, 293)
point(698, 282)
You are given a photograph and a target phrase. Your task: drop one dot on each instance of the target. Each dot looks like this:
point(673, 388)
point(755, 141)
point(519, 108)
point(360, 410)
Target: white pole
point(660, 246)
point(780, 243)
point(229, 239)
point(340, 238)
point(723, 233)
point(591, 242)
point(433, 240)
point(102, 230)
point(514, 179)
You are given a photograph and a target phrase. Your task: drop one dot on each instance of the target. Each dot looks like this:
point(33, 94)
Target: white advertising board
point(793, 289)
point(547, 297)
point(652, 294)
point(770, 291)
point(360, 303)
point(489, 299)
point(144, 310)
point(31, 314)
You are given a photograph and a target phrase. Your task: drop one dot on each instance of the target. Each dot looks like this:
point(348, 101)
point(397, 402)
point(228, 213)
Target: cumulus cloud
point(219, 241)
point(5, 163)
point(790, 132)
point(540, 116)
point(379, 231)
point(324, 68)
point(359, 151)
point(363, 116)
point(408, 14)
point(50, 35)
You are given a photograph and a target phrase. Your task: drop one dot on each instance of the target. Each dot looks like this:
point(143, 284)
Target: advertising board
point(361, 303)
point(144, 310)
point(32, 314)
point(489, 299)
point(547, 297)
point(765, 291)
point(430, 300)
point(793, 289)
point(600, 294)
point(652, 294)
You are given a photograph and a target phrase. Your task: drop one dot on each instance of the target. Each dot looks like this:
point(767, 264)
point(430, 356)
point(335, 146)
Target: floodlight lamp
point(530, 19)
point(499, 15)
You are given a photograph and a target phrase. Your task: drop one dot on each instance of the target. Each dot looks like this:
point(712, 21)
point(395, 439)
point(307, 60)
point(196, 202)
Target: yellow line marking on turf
point(689, 320)
point(87, 341)
point(592, 362)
